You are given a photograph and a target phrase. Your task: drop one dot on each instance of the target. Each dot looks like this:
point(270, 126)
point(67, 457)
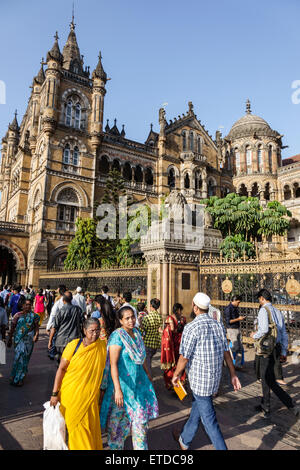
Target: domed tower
point(253, 152)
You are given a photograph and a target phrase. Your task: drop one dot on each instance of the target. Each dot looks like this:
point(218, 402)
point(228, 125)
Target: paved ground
point(21, 409)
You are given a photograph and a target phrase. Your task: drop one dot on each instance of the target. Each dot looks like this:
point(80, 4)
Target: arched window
point(127, 172)
point(255, 190)
point(259, 158)
point(138, 174)
point(75, 156)
point(211, 188)
point(270, 157)
point(248, 159)
point(171, 178)
point(198, 180)
point(187, 181)
point(69, 113)
point(287, 193)
point(183, 140)
point(67, 210)
point(149, 177)
point(77, 116)
point(267, 192)
point(243, 190)
point(104, 165)
point(199, 145)
point(116, 166)
point(237, 161)
point(66, 158)
point(191, 140)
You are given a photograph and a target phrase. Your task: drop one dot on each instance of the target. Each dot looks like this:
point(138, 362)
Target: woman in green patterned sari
point(24, 332)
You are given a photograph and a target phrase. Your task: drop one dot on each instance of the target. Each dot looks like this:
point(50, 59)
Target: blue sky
point(216, 53)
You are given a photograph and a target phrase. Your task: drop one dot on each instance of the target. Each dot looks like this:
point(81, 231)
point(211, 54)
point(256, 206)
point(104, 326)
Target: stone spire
point(99, 71)
point(14, 126)
point(73, 61)
point(248, 106)
point(40, 78)
point(55, 53)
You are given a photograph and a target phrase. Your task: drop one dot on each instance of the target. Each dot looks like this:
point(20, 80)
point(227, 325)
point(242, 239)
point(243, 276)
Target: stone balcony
point(189, 155)
point(12, 227)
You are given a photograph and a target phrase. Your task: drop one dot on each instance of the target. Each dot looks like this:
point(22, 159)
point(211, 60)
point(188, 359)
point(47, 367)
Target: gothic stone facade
point(55, 164)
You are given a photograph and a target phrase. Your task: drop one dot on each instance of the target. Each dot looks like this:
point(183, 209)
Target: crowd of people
point(104, 348)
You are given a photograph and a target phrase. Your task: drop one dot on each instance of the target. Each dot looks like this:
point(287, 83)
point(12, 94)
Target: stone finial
point(191, 107)
point(248, 106)
point(107, 128)
point(72, 24)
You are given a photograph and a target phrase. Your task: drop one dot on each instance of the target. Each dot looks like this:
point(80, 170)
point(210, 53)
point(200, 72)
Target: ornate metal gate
point(246, 278)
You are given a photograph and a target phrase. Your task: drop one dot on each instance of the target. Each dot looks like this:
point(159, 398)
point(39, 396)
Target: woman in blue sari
point(24, 332)
point(129, 398)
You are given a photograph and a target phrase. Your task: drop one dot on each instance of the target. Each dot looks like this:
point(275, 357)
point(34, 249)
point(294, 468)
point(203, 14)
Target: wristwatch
point(54, 394)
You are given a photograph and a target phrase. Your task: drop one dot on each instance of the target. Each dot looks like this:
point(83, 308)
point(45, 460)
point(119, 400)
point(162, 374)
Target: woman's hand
point(119, 398)
point(54, 401)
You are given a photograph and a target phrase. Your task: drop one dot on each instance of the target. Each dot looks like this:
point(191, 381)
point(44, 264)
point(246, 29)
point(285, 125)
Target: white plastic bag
point(2, 353)
point(54, 428)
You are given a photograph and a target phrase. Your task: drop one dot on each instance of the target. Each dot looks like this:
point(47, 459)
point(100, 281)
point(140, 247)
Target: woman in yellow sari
point(77, 387)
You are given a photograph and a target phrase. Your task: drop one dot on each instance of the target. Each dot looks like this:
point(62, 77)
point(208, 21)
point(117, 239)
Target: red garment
point(170, 344)
point(39, 304)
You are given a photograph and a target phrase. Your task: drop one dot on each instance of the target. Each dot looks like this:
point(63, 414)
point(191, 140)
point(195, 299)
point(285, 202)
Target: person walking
point(150, 329)
point(104, 292)
point(267, 362)
point(127, 298)
point(77, 387)
point(67, 324)
point(89, 304)
point(14, 300)
point(202, 351)
point(79, 298)
point(3, 319)
point(233, 325)
point(129, 400)
point(170, 344)
point(39, 305)
point(106, 315)
point(141, 311)
point(23, 334)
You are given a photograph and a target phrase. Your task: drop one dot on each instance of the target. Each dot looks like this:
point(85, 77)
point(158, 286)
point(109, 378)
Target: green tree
point(236, 247)
point(85, 250)
point(274, 220)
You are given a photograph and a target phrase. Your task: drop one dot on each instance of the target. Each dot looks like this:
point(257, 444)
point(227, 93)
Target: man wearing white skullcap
point(79, 298)
point(202, 351)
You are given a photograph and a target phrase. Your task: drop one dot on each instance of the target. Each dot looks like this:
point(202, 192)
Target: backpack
point(265, 345)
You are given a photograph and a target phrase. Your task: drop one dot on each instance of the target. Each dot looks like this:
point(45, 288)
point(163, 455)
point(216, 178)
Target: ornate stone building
point(54, 165)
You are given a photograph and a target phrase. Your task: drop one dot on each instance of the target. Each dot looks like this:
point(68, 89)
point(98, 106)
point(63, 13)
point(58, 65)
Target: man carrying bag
point(271, 333)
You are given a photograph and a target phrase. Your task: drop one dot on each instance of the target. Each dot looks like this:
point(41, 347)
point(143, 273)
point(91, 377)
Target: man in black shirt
point(68, 324)
point(232, 320)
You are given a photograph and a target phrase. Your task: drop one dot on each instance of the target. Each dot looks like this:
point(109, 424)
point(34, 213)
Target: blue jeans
point(202, 409)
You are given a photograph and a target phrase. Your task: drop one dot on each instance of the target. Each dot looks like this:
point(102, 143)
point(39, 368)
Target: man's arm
point(181, 365)
point(234, 379)
point(263, 324)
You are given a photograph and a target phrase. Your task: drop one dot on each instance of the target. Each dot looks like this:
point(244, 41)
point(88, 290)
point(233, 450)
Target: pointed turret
point(14, 126)
point(99, 71)
point(73, 61)
point(54, 53)
point(40, 78)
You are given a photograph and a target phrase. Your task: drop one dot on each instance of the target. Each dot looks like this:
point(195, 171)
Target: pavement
point(21, 409)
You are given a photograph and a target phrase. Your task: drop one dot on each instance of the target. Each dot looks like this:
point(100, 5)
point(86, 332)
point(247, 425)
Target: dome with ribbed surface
point(249, 124)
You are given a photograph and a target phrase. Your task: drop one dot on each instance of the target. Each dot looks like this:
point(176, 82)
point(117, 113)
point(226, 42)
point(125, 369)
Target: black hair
point(104, 289)
point(120, 314)
point(41, 291)
point(67, 297)
point(265, 294)
point(48, 287)
point(177, 307)
point(107, 313)
point(17, 288)
point(91, 321)
point(127, 296)
point(22, 301)
point(236, 297)
point(62, 289)
point(141, 306)
point(155, 303)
